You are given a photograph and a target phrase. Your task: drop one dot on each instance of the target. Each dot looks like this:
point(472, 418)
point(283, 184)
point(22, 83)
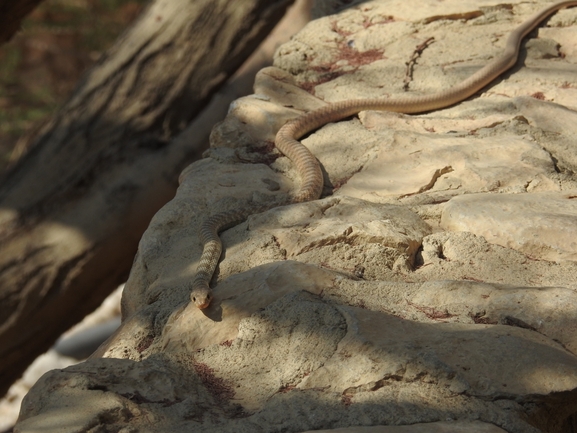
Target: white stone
point(541, 225)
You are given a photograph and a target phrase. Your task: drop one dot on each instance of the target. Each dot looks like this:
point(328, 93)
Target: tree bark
point(12, 12)
point(73, 209)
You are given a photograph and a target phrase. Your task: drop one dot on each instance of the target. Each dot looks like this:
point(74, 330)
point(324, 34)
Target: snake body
point(308, 167)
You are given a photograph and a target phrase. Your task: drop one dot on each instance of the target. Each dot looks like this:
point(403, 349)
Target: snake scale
point(309, 168)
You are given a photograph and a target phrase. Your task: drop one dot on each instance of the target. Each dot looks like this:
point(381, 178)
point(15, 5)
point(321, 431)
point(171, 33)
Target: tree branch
point(12, 13)
point(73, 209)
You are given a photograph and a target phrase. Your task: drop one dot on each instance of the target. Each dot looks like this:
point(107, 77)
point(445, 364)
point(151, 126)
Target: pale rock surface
point(542, 225)
point(406, 300)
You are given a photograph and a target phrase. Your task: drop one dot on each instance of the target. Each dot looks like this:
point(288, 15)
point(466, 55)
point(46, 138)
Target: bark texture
point(11, 15)
point(72, 211)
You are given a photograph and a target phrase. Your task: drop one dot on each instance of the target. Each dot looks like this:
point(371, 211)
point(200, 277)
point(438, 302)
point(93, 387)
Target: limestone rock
point(541, 309)
point(407, 299)
point(341, 365)
point(541, 225)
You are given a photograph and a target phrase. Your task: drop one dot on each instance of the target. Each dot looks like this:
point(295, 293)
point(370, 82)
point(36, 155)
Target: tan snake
point(309, 168)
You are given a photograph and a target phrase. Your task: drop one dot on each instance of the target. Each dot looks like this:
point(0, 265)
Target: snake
point(307, 166)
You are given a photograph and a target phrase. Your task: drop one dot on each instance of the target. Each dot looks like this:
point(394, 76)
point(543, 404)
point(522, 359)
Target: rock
point(404, 300)
point(541, 225)
point(541, 309)
point(237, 298)
point(342, 365)
point(424, 161)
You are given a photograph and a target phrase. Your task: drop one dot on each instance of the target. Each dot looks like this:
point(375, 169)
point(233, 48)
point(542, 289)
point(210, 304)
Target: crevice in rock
point(328, 205)
point(554, 160)
point(514, 321)
point(376, 385)
point(340, 182)
point(431, 312)
point(481, 319)
point(436, 175)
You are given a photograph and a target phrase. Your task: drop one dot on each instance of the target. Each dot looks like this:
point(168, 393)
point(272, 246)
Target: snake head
point(201, 298)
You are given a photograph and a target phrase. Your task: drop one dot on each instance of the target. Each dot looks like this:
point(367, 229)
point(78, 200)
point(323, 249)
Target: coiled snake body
point(309, 168)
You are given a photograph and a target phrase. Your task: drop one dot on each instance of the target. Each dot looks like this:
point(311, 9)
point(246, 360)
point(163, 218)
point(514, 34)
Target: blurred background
point(41, 65)
point(39, 68)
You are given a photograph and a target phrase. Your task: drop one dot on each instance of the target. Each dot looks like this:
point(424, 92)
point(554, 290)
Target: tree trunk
point(12, 12)
point(73, 209)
